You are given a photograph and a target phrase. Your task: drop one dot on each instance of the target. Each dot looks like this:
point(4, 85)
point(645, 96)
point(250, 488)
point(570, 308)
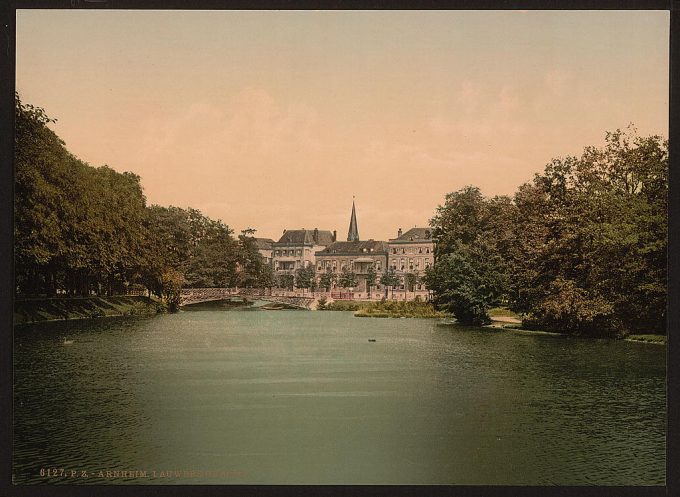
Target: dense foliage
point(82, 230)
point(581, 249)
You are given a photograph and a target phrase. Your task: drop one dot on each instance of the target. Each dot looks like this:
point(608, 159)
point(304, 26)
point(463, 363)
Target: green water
point(258, 397)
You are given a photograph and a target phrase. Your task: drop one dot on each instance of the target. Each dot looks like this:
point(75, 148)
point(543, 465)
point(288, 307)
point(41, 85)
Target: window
point(403, 251)
point(394, 251)
point(420, 250)
point(427, 250)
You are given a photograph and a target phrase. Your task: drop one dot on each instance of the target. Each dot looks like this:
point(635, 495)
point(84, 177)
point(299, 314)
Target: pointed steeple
point(353, 233)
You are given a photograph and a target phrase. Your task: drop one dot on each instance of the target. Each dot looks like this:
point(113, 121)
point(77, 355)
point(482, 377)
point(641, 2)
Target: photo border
point(7, 87)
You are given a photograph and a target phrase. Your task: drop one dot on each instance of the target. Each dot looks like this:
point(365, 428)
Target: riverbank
point(63, 308)
point(386, 309)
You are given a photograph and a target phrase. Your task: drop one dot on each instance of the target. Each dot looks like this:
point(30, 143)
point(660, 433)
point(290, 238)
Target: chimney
point(316, 235)
point(399, 233)
point(335, 235)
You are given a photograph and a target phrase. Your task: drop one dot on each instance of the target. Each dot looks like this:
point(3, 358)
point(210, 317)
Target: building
point(297, 248)
point(411, 252)
point(353, 256)
point(265, 246)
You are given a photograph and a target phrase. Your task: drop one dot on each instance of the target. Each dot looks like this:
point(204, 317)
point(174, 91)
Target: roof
point(355, 248)
point(306, 237)
point(264, 243)
point(414, 235)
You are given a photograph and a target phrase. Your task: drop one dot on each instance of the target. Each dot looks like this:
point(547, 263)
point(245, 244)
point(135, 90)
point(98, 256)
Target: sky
point(276, 119)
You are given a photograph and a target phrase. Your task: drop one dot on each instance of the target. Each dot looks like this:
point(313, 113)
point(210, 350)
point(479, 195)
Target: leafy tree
point(411, 281)
point(592, 236)
point(286, 281)
point(304, 277)
point(474, 238)
point(389, 279)
point(252, 269)
point(327, 279)
point(371, 278)
point(172, 282)
point(466, 283)
point(348, 279)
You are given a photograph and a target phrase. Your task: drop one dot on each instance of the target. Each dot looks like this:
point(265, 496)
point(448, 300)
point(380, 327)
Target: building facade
point(297, 248)
point(411, 253)
point(353, 256)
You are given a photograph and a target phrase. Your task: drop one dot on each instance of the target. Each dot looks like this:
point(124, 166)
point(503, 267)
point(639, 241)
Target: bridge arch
point(190, 296)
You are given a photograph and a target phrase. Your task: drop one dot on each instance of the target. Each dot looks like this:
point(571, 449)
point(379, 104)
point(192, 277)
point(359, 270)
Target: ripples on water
point(303, 397)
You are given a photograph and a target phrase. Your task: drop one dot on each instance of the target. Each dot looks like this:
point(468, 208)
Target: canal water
point(220, 395)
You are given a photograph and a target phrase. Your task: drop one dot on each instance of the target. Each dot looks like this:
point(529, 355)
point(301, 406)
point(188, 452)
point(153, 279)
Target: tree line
point(580, 249)
point(80, 229)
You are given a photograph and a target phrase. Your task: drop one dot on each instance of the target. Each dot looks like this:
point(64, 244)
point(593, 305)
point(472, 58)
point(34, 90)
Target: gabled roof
point(414, 235)
point(264, 243)
point(355, 248)
point(306, 237)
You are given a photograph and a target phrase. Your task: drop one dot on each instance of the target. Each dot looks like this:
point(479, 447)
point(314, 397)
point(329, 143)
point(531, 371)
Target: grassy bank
point(657, 339)
point(51, 309)
point(390, 309)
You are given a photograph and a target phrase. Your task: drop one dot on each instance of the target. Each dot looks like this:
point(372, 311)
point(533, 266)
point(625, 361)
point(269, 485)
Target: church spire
point(353, 233)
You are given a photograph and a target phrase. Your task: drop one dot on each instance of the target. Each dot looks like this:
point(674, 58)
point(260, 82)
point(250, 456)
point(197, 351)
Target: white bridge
point(190, 296)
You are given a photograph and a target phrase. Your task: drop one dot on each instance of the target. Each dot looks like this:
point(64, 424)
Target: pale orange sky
point(274, 120)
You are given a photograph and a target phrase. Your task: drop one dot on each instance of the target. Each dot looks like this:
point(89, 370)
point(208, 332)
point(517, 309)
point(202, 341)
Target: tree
point(327, 279)
point(474, 236)
point(590, 254)
point(389, 279)
point(304, 277)
point(172, 282)
point(253, 270)
point(411, 280)
point(286, 281)
point(348, 279)
point(466, 283)
point(371, 278)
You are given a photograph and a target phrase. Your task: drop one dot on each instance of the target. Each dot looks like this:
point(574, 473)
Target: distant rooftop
point(306, 237)
point(355, 248)
point(264, 243)
point(414, 235)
